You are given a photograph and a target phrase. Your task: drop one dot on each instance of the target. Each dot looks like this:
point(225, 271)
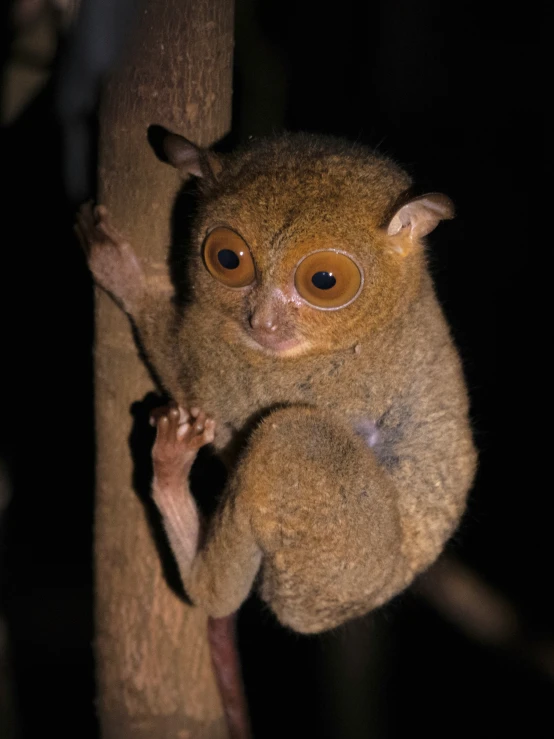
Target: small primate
point(312, 353)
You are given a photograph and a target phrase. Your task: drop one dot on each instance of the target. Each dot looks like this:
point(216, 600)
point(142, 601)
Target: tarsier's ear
point(417, 217)
point(190, 159)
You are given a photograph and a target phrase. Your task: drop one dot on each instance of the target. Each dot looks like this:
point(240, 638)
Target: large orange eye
point(328, 279)
point(228, 259)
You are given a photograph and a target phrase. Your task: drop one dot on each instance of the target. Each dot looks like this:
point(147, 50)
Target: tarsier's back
point(313, 339)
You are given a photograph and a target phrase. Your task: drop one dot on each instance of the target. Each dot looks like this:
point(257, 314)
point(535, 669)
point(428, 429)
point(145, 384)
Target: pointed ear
point(190, 159)
point(419, 216)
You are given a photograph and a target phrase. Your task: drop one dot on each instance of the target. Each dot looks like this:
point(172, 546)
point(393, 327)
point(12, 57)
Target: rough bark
point(153, 667)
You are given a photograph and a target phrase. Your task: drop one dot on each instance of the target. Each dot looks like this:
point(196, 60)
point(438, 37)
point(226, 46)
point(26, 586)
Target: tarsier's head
point(305, 244)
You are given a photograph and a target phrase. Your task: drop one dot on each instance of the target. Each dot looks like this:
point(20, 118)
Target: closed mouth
point(284, 347)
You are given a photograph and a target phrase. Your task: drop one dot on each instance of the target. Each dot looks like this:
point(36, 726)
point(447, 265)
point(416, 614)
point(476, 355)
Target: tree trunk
point(153, 667)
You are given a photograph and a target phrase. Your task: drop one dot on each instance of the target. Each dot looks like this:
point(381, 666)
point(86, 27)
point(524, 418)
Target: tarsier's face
point(304, 250)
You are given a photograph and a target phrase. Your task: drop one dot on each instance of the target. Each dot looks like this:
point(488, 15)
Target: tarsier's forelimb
point(110, 257)
point(117, 269)
point(218, 565)
point(179, 437)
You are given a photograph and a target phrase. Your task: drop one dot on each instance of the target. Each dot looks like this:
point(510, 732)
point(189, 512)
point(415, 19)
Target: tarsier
point(313, 355)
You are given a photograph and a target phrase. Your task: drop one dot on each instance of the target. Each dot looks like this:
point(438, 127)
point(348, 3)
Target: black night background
point(449, 90)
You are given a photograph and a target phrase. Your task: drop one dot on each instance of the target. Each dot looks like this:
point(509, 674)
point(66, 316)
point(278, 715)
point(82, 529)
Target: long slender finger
point(184, 415)
point(173, 417)
point(209, 430)
point(162, 429)
point(200, 422)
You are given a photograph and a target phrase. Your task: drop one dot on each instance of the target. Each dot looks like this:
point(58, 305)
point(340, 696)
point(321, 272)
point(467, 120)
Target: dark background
point(453, 93)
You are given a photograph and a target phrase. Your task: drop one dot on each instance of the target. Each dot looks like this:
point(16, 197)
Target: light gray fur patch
point(369, 431)
point(378, 439)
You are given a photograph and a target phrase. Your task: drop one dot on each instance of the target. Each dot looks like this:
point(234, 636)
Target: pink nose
point(263, 320)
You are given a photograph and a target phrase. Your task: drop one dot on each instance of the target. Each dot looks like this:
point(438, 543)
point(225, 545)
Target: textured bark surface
point(153, 665)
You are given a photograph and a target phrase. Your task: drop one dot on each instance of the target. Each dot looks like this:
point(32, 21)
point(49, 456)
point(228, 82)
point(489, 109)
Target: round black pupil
point(324, 280)
point(228, 259)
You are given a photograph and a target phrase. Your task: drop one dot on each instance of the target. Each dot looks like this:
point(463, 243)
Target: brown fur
point(358, 454)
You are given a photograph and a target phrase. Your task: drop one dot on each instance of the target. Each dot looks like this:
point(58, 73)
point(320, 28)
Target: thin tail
point(226, 662)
